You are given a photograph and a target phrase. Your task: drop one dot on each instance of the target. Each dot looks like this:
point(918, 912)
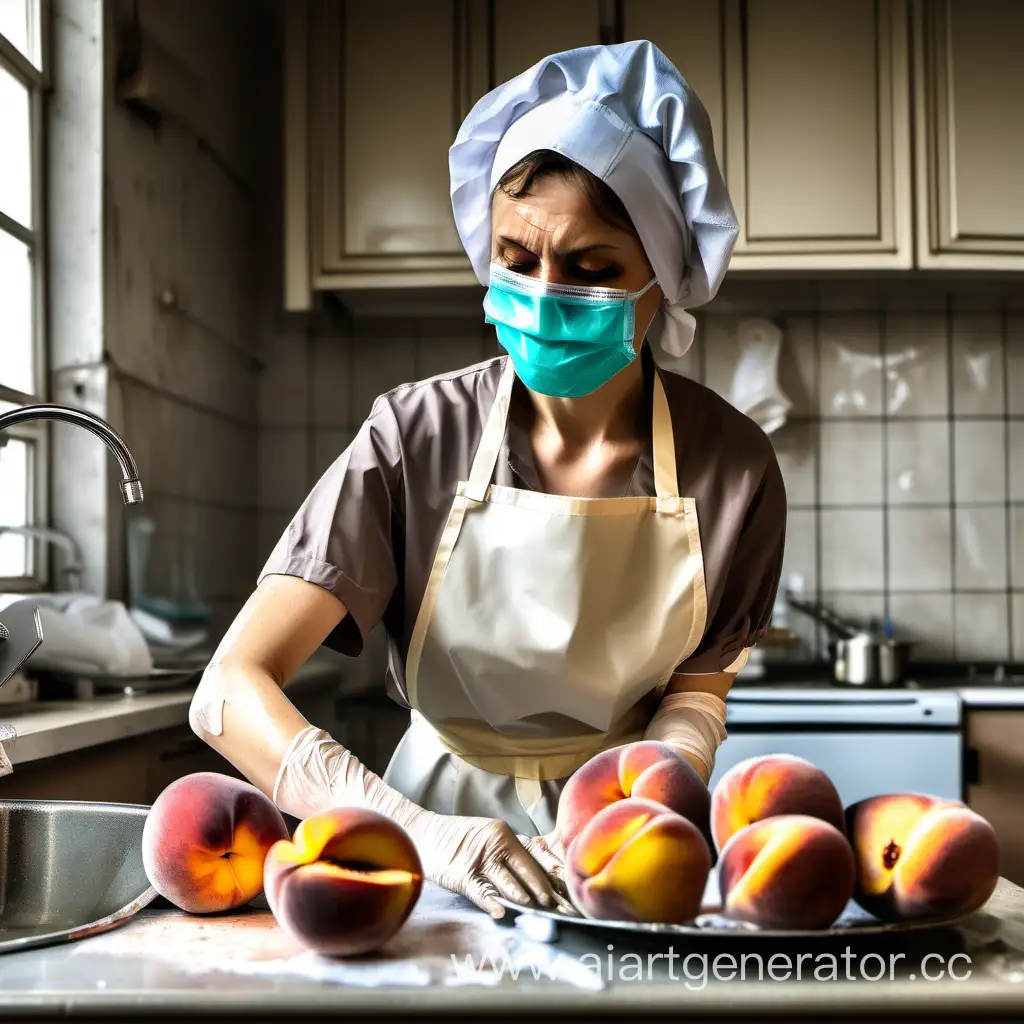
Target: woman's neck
point(609, 414)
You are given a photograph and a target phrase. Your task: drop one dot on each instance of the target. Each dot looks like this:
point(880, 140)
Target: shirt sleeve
point(342, 537)
point(745, 609)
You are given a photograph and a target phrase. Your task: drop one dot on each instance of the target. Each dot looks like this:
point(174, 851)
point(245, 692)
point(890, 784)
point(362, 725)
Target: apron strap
point(487, 451)
point(666, 481)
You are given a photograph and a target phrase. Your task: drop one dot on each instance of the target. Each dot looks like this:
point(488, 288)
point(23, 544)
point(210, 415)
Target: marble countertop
point(48, 728)
point(451, 960)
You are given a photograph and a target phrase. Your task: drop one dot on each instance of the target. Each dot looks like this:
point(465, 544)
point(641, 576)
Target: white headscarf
point(625, 114)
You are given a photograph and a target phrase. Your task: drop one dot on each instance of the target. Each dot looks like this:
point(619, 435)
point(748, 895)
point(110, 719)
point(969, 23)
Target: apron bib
point(548, 630)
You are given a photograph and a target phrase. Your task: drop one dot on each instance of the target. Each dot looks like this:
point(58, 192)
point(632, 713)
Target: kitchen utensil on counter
point(860, 657)
point(68, 869)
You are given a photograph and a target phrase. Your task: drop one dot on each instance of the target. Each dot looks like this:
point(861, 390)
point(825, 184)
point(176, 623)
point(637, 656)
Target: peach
point(647, 770)
point(636, 860)
point(205, 840)
point(790, 871)
point(921, 857)
point(345, 883)
point(761, 787)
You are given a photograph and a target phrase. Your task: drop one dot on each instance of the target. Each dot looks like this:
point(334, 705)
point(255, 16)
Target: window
point(22, 263)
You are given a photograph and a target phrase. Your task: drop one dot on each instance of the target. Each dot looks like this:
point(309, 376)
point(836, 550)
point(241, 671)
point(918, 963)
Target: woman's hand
point(481, 858)
point(549, 853)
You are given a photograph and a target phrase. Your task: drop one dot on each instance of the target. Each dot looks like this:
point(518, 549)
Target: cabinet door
point(689, 33)
point(522, 36)
point(175, 753)
point(995, 740)
point(969, 88)
point(385, 99)
point(817, 133)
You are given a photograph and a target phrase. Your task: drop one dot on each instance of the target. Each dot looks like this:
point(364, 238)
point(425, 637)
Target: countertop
point(48, 728)
point(450, 961)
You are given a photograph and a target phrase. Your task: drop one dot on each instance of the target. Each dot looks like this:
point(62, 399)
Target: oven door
point(867, 743)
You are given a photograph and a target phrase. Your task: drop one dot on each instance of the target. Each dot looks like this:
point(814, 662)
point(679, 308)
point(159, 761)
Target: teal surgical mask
point(564, 340)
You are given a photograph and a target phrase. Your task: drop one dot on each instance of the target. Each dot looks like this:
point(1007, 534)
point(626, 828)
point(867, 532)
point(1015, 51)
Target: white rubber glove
point(478, 857)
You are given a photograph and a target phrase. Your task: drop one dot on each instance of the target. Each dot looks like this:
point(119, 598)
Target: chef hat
point(625, 114)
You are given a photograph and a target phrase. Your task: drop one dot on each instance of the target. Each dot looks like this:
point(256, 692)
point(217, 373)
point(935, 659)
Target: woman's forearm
point(691, 718)
point(241, 712)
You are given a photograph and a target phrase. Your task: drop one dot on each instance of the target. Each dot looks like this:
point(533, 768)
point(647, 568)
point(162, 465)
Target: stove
point(868, 741)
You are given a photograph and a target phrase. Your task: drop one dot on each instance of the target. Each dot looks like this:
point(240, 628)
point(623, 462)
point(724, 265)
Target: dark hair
point(518, 180)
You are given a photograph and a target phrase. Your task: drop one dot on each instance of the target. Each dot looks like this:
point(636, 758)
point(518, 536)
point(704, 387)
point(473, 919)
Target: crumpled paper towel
point(86, 635)
point(755, 388)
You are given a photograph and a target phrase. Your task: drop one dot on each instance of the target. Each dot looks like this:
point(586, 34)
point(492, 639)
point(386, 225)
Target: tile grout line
point(1004, 342)
point(951, 420)
point(886, 537)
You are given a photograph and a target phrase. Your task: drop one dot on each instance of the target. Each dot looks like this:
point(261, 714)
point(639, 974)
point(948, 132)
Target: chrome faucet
point(21, 631)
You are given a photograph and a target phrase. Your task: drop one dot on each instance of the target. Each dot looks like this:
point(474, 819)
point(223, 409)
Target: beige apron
point(549, 628)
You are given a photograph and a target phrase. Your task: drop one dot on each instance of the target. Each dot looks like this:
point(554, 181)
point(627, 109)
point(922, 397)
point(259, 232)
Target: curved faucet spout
point(131, 488)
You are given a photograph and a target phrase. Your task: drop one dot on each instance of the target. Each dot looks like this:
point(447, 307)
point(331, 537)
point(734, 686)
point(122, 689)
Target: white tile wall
point(982, 626)
point(852, 542)
point(981, 555)
point(919, 556)
point(851, 365)
point(978, 372)
point(851, 463)
point(980, 464)
point(918, 463)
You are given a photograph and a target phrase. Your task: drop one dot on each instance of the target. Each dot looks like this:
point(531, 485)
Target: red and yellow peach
point(636, 860)
point(769, 785)
point(921, 857)
point(647, 770)
point(788, 872)
point(345, 883)
point(205, 841)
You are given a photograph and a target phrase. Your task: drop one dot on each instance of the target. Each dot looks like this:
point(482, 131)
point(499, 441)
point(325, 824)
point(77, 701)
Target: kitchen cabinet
point(871, 135)
point(817, 133)
point(374, 95)
point(969, 83)
point(995, 745)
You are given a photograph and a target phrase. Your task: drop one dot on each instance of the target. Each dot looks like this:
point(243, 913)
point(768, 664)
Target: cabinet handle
point(184, 749)
point(972, 767)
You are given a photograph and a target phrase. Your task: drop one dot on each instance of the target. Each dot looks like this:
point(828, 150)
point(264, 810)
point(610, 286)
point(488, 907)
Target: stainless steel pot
point(859, 656)
point(866, 660)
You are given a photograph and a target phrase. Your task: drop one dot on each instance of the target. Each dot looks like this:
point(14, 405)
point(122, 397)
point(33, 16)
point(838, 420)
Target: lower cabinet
point(132, 770)
point(137, 769)
point(995, 759)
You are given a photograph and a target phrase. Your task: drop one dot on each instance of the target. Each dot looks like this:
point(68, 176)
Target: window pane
point(16, 146)
point(14, 507)
point(17, 369)
point(19, 22)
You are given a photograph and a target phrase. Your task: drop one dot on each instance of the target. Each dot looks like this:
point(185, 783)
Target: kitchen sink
point(68, 869)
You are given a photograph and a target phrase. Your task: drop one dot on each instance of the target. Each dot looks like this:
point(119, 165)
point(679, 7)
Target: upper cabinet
point(970, 135)
point(374, 95)
point(813, 107)
point(817, 133)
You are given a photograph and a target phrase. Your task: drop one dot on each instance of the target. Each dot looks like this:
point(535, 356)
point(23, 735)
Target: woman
point(569, 547)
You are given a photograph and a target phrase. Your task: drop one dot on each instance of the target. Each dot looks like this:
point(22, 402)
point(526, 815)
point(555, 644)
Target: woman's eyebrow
point(505, 240)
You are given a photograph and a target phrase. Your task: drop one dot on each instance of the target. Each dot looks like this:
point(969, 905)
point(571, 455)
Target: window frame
point(36, 434)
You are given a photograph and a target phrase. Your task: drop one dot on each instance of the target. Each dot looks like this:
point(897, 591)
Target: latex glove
point(548, 852)
point(478, 857)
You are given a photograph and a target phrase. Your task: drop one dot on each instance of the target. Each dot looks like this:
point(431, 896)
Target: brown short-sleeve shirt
point(369, 529)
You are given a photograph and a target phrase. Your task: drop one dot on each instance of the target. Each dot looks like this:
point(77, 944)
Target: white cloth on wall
point(755, 389)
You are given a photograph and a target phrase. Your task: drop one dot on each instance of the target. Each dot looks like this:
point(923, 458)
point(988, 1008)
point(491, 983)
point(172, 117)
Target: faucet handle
point(21, 633)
